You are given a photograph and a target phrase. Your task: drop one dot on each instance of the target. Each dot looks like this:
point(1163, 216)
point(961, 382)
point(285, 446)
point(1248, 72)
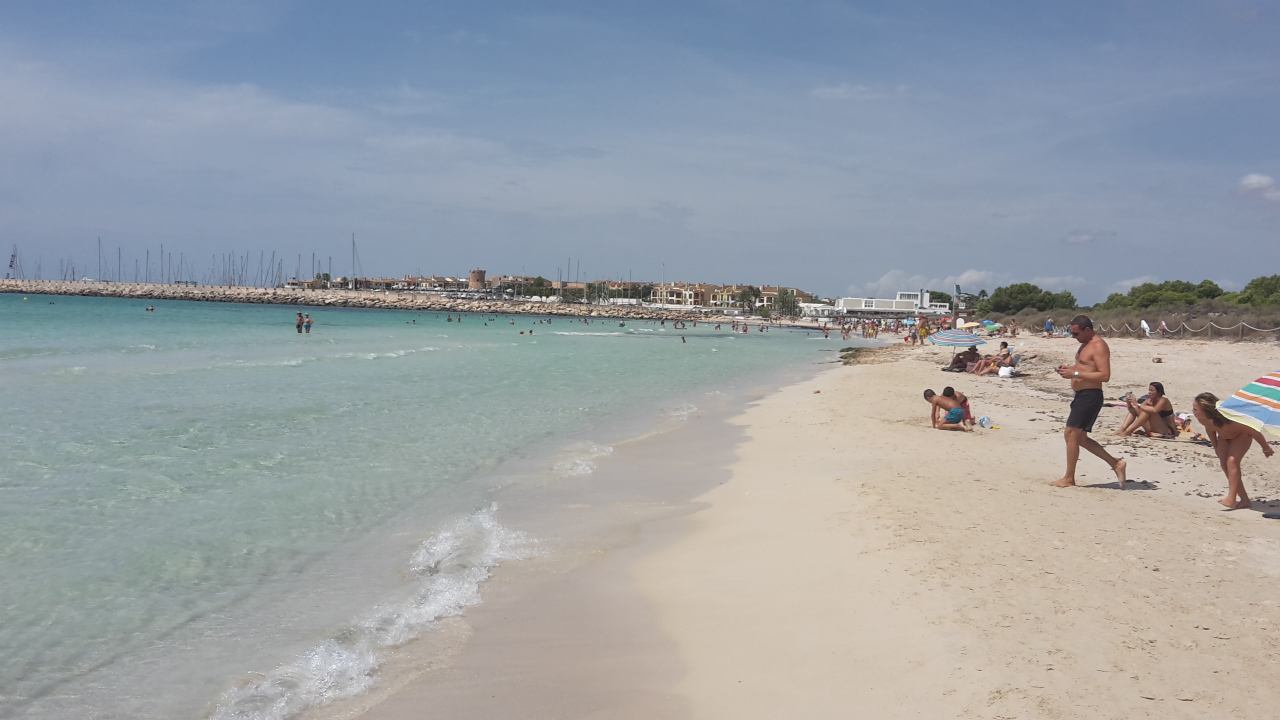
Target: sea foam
point(447, 570)
point(582, 462)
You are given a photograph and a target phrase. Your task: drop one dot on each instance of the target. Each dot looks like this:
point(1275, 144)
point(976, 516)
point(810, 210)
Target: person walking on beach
point(1231, 440)
point(298, 323)
point(306, 323)
point(1091, 369)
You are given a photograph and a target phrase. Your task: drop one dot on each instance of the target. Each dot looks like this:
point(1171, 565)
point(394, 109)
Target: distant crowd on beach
point(1151, 415)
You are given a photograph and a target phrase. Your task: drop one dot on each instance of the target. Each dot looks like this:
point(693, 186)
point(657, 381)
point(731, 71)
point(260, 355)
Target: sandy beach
point(854, 562)
point(867, 565)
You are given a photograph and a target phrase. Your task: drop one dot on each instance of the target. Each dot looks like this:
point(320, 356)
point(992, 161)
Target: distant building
point(769, 293)
point(818, 310)
point(476, 281)
point(905, 303)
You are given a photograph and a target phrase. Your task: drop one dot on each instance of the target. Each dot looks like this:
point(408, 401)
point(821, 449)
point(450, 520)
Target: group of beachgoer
point(1152, 415)
point(1230, 439)
point(303, 322)
point(975, 363)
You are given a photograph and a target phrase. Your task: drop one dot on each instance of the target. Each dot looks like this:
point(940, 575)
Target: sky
point(846, 148)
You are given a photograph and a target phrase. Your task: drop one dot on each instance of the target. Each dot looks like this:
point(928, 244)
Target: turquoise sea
point(206, 514)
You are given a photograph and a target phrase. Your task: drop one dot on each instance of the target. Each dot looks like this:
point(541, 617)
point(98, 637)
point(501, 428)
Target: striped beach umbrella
point(1256, 405)
point(956, 338)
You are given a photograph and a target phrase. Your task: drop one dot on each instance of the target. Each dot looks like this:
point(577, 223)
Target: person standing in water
point(1231, 440)
point(1091, 369)
point(298, 323)
point(306, 323)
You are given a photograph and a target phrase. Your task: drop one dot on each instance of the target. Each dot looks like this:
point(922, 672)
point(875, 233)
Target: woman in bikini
point(1231, 440)
point(991, 364)
point(1154, 416)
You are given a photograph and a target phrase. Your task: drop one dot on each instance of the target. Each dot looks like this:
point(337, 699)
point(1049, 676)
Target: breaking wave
point(447, 570)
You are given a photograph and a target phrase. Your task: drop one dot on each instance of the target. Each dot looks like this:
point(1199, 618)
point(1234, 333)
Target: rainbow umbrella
point(1256, 405)
point(956, 338)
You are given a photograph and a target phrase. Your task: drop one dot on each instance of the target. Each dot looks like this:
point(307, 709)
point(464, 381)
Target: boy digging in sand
point(1231, 440)
point(953, 417)
point(1092, 368)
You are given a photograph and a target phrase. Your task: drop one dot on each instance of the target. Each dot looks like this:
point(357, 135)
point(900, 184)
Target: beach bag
point(1006, 372)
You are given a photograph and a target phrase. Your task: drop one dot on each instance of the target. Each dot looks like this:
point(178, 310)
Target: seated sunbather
point(962, 360)
point(1153, 416)
point(992, 363)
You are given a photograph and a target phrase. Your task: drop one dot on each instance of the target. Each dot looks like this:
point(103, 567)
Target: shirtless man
point(953, 418)
point(1092, 368)
point(962, 360)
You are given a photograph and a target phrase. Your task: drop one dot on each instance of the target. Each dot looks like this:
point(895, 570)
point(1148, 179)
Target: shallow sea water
point(204, 513)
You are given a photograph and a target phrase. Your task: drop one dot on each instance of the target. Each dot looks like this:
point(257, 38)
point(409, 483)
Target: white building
point(819, 310)
point(906, 303)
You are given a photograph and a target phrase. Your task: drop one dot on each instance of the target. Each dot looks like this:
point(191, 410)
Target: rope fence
point(1211, 331)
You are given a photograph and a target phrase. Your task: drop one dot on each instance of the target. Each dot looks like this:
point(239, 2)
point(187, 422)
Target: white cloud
point(896, 281)
point(1084, 237)
point(1060, 283)
point(845, 91)
point(1124, 286)
point(1255, 182)
point(972, 279)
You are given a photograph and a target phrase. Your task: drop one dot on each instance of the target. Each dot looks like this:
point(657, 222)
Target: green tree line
point(1012, 299)
point(1260, 292)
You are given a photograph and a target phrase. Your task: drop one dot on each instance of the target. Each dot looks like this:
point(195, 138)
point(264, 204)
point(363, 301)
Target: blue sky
point(843, 148)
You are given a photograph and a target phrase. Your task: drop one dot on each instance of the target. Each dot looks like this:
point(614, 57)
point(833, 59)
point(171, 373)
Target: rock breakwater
point(336, 298)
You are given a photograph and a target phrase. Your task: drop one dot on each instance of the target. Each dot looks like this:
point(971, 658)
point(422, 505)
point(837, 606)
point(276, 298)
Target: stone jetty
point(338, 298)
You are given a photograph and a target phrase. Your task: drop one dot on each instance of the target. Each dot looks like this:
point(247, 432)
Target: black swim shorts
point(1085, 408)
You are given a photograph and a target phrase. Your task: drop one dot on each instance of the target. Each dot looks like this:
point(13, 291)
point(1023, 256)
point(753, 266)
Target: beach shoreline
point(855, 560)
point(546, 640)
point(319, 481)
